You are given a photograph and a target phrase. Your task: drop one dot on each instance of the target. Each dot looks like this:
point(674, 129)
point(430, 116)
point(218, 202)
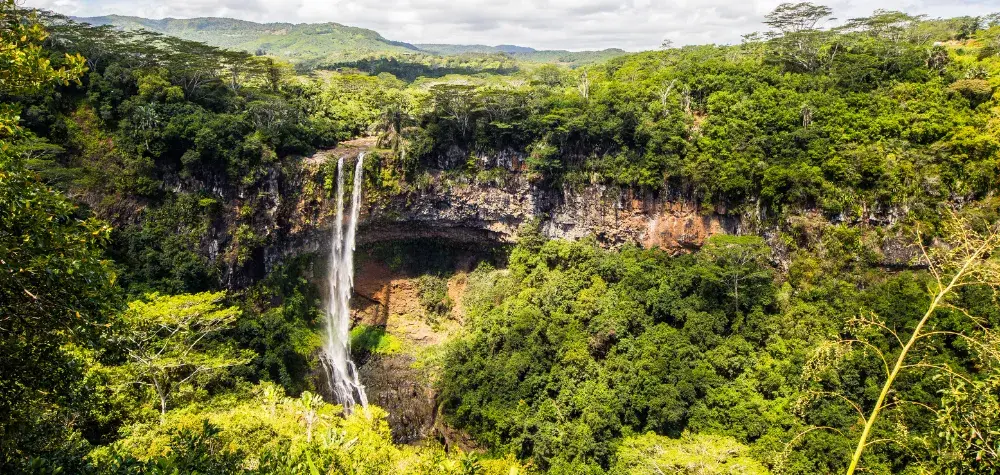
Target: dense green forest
point(850, 326)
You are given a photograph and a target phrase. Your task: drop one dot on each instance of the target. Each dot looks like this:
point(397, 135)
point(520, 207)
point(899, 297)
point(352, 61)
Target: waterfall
point(341, 372)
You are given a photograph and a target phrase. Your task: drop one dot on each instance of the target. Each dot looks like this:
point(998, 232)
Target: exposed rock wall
point(494, 211)
point(487, 211)
point(297, 213)
point(466, 210)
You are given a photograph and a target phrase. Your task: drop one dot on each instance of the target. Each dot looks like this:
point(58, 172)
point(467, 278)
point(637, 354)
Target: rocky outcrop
point(394, 384)
point(476, 211)
point(462, 209)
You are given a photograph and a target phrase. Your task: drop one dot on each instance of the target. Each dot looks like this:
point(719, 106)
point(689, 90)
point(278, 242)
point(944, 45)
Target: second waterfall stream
point(341, 371)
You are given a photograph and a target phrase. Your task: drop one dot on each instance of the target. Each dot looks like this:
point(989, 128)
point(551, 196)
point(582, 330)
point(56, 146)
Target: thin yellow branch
point(939, 368)
point(900, 361)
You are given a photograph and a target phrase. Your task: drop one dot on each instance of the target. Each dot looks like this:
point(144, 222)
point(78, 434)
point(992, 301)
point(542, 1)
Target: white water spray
point(341, 372)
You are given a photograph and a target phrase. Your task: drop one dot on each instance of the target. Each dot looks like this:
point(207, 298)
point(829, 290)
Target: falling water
point(342, 373)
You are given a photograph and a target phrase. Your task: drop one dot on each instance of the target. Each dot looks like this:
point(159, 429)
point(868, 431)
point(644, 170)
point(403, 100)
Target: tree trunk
point(162, 394)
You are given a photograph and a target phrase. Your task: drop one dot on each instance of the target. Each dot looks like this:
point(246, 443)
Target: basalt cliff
point(291, 213)
point(465, 210)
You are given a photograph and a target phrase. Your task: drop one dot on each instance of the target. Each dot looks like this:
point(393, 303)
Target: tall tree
point(797, 40)
point(797, 17)
point(739, 264)
point(456, 102)
point(171, 340)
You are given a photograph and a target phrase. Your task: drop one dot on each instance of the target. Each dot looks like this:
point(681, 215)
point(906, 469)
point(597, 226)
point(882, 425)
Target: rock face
point(474, 211)
point(390, 300)
point(393, 384)
point(295, 215)
point(482, 212)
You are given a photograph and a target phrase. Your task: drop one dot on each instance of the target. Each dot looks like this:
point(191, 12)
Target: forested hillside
point(331, 45)
point(531, 55)
point(292, 42)
point(157, 316)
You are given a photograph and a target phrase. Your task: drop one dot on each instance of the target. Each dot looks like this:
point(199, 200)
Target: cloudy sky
point(563, 24)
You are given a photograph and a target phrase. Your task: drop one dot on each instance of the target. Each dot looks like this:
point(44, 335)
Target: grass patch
point(374, 340)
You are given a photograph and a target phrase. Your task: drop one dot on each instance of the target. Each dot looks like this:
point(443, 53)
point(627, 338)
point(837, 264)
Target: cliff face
point(294, 212)
point(465, 210)
point(495, 211)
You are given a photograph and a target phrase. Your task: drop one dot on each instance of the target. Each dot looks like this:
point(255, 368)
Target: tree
point(395, 116)
point(548, 75)
point(456, 102)
point(56, 288)
point(240, 66)
point(275, 72)
point(795, 40)
point(100, 45)
point(797, 17)
point(991, 20)
point(193, 65)
point(309, 407)
point(56, 291)
point(25, 67)
point(584, 86)
point(968, 26)
point(271, 395)
point(500, 104)
point(892, 26)
point(145, 120)
point(171, 340)
point(739, 263)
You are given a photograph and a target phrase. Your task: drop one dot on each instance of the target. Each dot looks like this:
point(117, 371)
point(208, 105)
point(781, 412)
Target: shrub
point(433, 291)
point(975, 90)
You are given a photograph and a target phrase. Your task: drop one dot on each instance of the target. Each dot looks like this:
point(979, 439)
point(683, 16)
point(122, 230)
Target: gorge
point(322, 251)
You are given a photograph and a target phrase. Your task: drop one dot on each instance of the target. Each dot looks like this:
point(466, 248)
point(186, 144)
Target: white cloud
point(563, 24)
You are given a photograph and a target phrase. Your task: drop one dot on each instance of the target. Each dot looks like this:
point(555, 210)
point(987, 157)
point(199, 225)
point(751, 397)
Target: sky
point(544, 24)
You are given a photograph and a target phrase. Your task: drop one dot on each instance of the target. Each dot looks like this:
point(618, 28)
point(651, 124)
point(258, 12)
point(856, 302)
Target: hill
point(329, 43)
point(447, 49)
point(295, 42)
point(570, 58)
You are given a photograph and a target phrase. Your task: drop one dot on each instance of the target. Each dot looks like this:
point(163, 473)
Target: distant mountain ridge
point(331, 42)
point(296, 42)
point(531, 55)
point(446, 49)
